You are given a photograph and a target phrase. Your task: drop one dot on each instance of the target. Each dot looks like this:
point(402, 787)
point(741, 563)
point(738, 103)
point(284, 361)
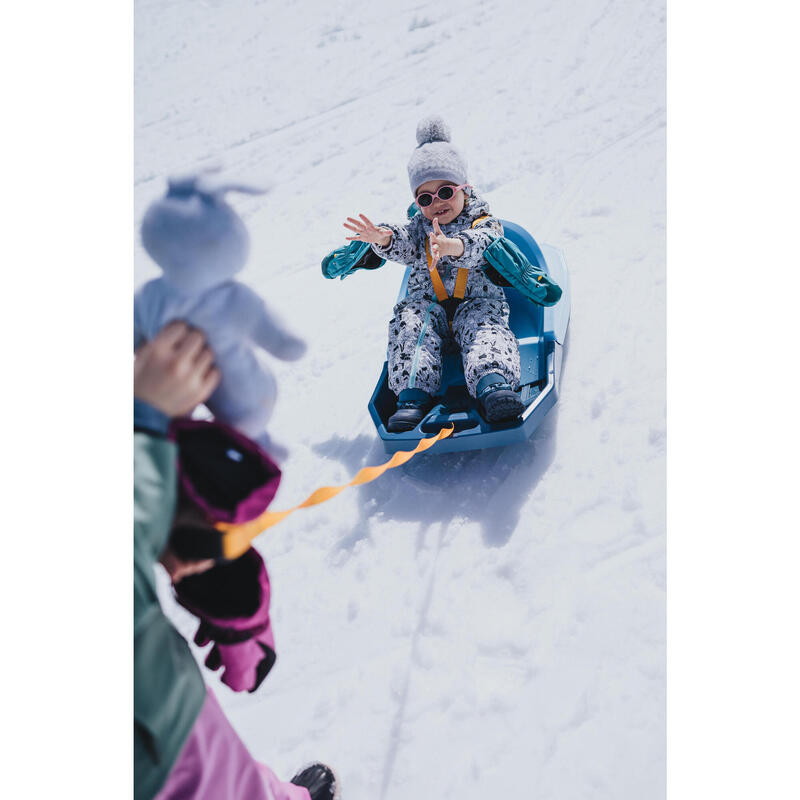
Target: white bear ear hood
point(196, 237)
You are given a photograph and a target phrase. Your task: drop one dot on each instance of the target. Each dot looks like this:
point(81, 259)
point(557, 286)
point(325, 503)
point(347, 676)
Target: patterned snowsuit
point(419, 332)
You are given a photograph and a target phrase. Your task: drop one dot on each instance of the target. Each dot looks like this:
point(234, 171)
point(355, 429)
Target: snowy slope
point(470, 624)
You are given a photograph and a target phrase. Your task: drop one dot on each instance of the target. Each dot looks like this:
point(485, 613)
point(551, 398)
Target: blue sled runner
point(540, 331)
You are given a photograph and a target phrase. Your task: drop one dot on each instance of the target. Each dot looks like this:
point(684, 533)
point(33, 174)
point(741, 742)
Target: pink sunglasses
point(424, 199)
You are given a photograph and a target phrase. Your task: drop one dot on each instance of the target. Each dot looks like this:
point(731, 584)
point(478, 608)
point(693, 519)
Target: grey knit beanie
point(435, 159)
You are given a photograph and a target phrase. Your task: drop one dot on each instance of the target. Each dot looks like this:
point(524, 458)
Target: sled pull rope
point(236, 538)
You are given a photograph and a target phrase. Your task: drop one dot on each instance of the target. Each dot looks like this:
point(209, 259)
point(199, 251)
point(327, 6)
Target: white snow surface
point(485, 624)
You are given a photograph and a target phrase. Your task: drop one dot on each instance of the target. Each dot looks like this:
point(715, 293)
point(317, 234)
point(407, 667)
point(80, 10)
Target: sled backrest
point(525, 242)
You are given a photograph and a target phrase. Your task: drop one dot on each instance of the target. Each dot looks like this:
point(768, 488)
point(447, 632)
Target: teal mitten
point(506, 260)
point(345, 260)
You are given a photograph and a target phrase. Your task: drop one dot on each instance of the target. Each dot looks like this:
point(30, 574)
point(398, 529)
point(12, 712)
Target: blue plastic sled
point(540, 331)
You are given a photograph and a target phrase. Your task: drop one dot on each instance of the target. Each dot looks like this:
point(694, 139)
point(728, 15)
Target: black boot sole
point(502, 406)
point(323, 793)
point(404, 420)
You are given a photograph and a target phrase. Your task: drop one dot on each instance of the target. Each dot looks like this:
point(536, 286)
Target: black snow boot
point(412, 405)
point(319, 780)
point(498, 399)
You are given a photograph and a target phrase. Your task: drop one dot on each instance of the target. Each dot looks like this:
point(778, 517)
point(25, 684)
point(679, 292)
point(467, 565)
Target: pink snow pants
point(214, 764)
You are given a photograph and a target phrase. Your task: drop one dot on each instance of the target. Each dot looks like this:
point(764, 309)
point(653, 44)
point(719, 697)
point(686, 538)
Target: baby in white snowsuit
point(449, 237)
point(200, 243)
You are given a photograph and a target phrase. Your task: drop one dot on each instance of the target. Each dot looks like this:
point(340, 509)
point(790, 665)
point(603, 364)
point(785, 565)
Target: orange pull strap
point(236, 538)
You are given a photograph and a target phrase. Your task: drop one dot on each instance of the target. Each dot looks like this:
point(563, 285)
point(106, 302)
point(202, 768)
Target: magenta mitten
point(232, 602)
point(222, 477)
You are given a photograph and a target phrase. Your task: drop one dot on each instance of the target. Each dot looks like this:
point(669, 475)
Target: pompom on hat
point(435, 159)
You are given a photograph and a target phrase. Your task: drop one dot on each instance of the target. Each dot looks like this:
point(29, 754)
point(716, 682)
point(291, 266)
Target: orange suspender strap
point(436, 279)
point(461, 277)
point(463, 272)
point(461, 283)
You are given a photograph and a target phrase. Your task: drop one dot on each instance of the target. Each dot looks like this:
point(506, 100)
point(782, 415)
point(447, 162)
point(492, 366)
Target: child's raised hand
point(441, 245)
point(366, 231)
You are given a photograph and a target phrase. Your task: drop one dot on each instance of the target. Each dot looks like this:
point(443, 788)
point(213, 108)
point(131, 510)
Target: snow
point(469, 625)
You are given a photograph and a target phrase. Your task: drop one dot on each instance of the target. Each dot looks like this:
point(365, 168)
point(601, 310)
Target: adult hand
point(175, 371)
point(441, 245)
point(366, 231)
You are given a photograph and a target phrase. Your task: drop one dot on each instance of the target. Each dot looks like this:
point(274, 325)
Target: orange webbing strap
point(463, 272)
point(236, 538)
point(461, 277)
point(461, 283)
point(436, 279)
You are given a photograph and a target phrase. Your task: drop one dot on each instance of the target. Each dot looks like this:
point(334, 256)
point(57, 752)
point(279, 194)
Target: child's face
point(445, 210)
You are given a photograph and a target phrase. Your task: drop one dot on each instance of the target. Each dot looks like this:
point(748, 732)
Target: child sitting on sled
point(450, 299)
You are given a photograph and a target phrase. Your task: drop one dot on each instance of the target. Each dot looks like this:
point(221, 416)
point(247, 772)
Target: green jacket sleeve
point(154, 492)
point(168, 690)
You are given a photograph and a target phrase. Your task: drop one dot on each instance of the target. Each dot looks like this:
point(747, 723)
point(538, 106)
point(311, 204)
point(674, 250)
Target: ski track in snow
point(470, 624)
